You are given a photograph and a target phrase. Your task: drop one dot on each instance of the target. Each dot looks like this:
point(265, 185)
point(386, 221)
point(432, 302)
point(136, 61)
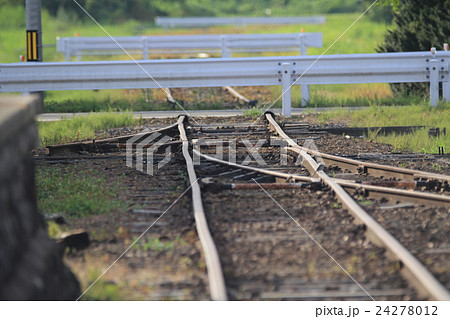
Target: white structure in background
point(172, 22)
point(225, 44)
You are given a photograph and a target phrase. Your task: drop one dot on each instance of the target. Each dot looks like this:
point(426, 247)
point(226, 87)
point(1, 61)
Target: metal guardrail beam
point(171, 22)
point(210, 43)
point(218, 72)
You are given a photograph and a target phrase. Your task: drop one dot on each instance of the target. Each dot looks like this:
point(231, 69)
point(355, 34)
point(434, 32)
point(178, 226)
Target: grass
point(420, 114)
point(102, 290)
point(124, 100)
point(53, 229)
point(354, 95)
point(12, 37)
point(81, 127)
point(253, 112)
point(156, 245)
point(73, 195)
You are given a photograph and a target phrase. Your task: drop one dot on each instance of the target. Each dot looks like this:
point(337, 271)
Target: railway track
point(424, 282)
point(273, 229)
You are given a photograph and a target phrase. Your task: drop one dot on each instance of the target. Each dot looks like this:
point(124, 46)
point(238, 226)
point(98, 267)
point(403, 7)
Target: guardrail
point(209, 43)
point(218, 72)
point(171, 22)
point(214, 43)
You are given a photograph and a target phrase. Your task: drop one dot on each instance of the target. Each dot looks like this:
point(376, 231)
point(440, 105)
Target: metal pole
point(446, 91)
point(34, 34)
point(434, 82)
point(144, 48)
point(305, 87)
point(34, 27)
point(446, 85)
point(286, 89)
point(226, 52)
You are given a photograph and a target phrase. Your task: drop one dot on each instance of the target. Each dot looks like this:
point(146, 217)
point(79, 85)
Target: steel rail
point(377, 170)
point(373, 191)
point(215, 274)
point(86, 145)
point(379, 192)
point(416, 273)
point(290, 177)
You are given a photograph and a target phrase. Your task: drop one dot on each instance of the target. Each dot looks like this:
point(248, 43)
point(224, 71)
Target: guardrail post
point(305, 94)
point(446, 91)
point(434, 82)
point(67, 49)
point(286, 88)
point(446, 85)
point(226, 53)
point(303, 48)
point(304, 87)
point(144, 48)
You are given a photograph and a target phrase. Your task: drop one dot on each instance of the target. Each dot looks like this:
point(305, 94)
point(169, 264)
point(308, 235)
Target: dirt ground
point(263, 250)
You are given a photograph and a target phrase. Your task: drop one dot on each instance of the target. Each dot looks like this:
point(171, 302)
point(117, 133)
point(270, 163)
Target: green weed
point(253, 112)
point(156, 245)
point(64, 191)
point(414, 115)
point(53, 229)
point(336, 205)
point(102, 290)
point(81, 127)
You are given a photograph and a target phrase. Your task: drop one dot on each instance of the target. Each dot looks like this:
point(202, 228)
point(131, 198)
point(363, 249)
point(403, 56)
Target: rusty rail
point(377, 170)
point(424, 282)
point(92, 145)
point(215, 274)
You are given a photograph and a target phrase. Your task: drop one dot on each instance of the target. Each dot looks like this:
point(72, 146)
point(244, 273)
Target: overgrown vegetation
point(361, 97)
point(156, 244)
point(102, 290)
point(75, 194)
point(417, 27)
point(53, 229)
point(81, 127)
point(253, 112)
point(418, 115)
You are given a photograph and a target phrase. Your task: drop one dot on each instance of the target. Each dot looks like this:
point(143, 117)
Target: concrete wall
point(31, 268)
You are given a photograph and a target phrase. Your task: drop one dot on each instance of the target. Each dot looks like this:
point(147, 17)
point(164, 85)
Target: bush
point(418, 27)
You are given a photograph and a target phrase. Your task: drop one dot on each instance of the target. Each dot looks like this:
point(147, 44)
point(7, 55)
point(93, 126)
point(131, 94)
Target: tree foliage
point(147, 10)
point(418, 27)
point(382, 11)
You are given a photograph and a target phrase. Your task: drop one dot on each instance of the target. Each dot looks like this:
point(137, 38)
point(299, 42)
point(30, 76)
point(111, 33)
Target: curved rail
point(373, 169)
point(418, 275)
point(373, 191)
point(92, 144)
point(215, 275)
